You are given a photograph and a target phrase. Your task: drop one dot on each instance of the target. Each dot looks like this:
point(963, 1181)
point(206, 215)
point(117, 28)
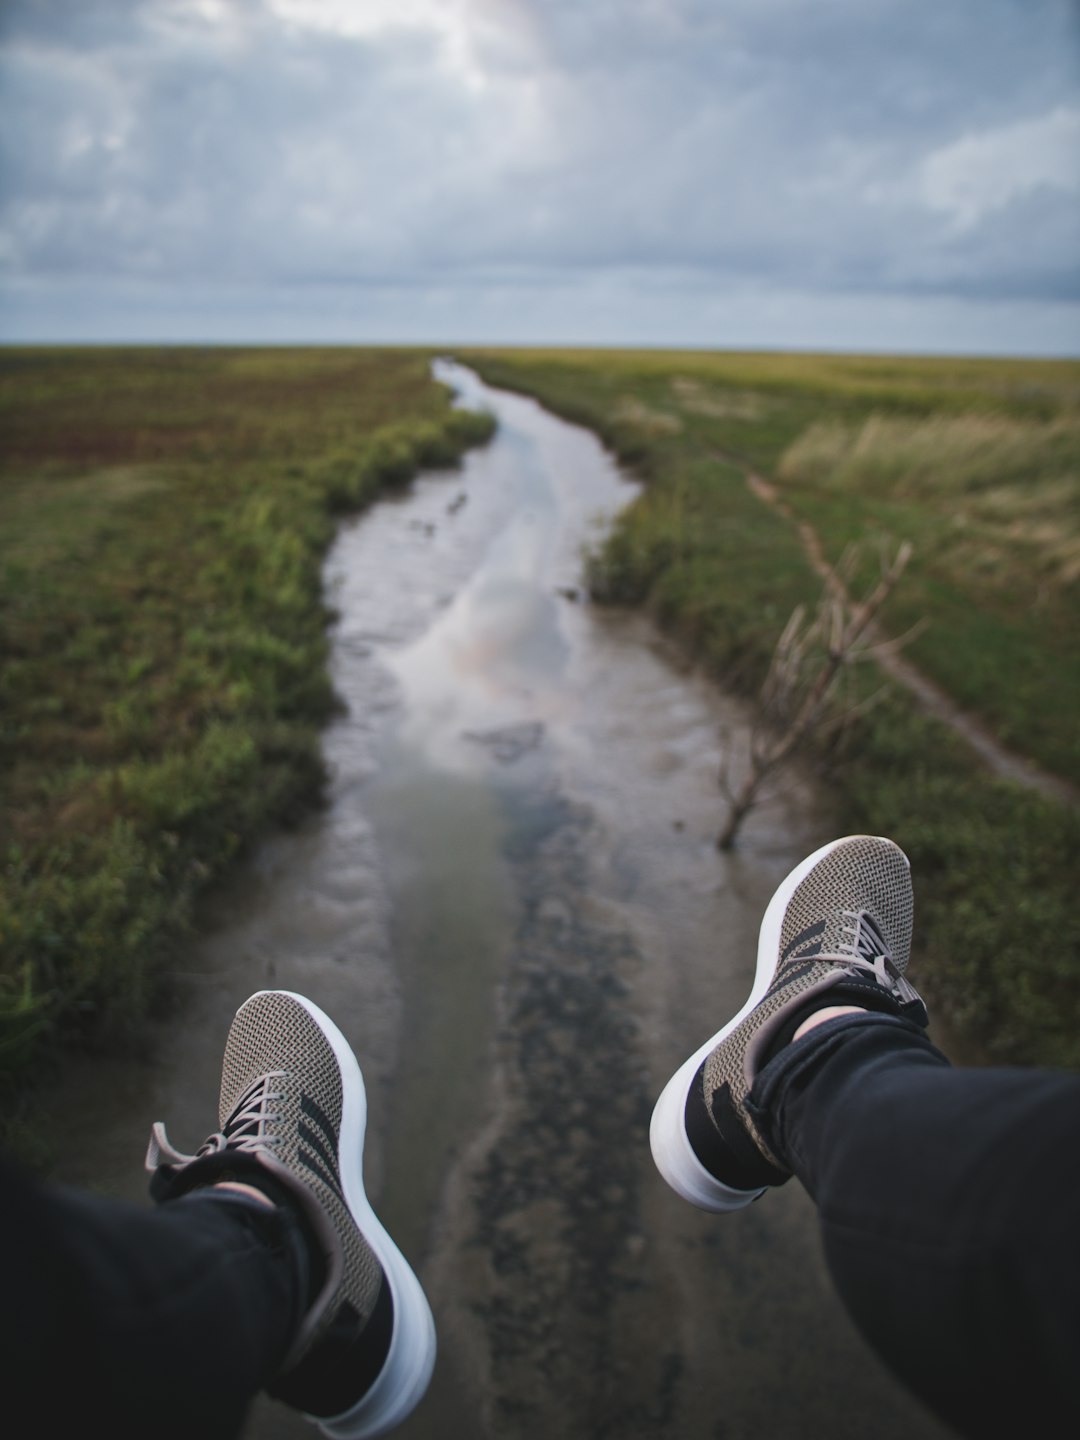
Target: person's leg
point(837, 932)
point(945, 1195)
point(263, 1265)
point(293, 1112)
point(948, 1201)
point(116, 1314)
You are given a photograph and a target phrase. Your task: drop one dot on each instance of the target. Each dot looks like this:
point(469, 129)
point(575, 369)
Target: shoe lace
point(247, 1128)
point(855, 952)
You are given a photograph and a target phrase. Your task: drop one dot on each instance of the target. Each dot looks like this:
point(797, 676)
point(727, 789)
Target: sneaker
point(292, 1113)
point(837, 932)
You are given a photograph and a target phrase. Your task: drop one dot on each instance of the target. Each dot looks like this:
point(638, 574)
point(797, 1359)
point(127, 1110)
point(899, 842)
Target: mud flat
point(512, 905)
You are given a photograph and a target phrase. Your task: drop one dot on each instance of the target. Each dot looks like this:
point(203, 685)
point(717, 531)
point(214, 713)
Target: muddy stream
point(512, 906)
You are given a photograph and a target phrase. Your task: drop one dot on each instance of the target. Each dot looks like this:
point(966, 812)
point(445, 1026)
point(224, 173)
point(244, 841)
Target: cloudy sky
point(842, 174)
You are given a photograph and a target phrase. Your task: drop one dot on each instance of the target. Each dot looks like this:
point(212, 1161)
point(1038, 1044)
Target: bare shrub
point(798, 697)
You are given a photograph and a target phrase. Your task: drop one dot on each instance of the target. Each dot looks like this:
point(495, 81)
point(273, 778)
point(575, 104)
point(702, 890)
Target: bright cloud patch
point(978, 174)
point(871, 152)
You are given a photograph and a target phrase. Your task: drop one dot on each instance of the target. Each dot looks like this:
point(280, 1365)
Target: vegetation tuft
point(163, 516)
point(977, 463)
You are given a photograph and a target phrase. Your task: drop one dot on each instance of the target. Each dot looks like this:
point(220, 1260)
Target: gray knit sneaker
point(292, 1113)
point(837, 932)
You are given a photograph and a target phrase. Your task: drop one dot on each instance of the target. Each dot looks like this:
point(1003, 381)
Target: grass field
point(977, 463)
point(163, 516)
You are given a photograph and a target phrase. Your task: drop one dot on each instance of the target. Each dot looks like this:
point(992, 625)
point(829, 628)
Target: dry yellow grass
point(1003, 483)
point(647, 420)
point(717, 402)
point(910, 379)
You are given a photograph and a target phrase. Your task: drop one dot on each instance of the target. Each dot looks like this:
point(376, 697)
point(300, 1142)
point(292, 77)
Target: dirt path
point(1003, 762)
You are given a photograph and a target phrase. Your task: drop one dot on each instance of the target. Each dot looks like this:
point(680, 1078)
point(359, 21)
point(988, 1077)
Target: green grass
point(976, 462)
point(992, 504)
point(163, 516)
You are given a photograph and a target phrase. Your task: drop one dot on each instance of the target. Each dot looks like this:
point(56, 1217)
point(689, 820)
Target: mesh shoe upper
point(274, 1037)
point(280, 1111)
point(844, 937)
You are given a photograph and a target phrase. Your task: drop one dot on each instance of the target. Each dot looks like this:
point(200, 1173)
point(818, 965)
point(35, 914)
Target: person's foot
point(836, 933)
point(292, 1112)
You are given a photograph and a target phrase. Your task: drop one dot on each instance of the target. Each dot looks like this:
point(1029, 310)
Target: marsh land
point(163, 520)
point(977, 464)
point(164, 512)
point(449, 766)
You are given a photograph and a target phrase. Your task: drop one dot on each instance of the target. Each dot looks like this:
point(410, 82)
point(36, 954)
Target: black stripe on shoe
point(804, 943)
point(344, 1364)
point(320, 1156)
point(314, 1111)
point(314, 1164)
point(719, 1140)
point(312, 1139)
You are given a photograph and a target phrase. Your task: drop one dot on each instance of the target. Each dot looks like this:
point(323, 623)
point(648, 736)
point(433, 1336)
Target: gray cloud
point(736, 147)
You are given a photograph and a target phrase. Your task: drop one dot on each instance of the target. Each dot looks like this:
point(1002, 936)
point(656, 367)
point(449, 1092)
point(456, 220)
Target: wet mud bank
point(513, 907)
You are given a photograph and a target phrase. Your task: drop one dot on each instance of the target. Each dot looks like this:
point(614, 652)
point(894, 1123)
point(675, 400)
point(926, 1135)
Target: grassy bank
point(163, 516)
point(978, 464)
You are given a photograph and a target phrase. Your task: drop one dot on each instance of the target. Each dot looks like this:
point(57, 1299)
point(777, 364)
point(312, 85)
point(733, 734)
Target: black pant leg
point(949, 1204)
point(128, 1320)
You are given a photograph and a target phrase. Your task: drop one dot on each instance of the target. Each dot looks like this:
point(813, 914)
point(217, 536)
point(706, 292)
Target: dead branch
point(802, 676)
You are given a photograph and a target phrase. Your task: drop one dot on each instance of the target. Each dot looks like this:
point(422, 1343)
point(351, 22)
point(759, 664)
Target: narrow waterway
point(512, 905)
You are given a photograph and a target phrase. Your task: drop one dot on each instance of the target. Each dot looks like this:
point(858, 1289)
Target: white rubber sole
point(668, 1140)
point(406, 1372)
